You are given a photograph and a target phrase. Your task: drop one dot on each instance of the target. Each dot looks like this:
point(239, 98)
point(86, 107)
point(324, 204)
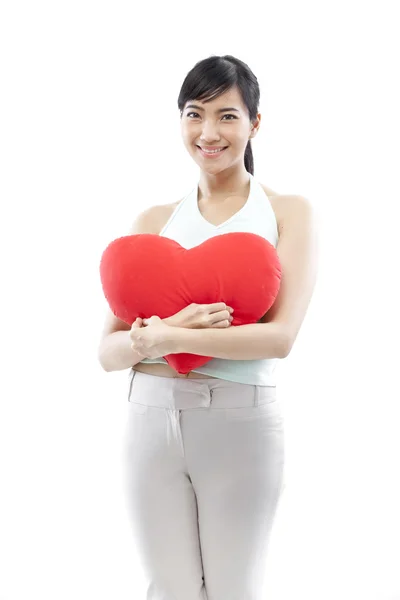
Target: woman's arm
point(115, 352)
point(245, 342)
point(297, 249)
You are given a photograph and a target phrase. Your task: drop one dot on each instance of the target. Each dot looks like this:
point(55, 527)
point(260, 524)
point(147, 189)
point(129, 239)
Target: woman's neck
point(221, 185)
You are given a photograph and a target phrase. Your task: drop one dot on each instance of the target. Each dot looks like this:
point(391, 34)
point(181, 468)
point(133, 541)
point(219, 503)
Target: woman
point(204, 453)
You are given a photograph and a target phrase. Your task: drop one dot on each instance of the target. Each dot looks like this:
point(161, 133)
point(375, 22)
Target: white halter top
point(189, 228)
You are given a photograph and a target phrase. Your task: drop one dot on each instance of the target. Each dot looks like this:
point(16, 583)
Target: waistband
point(183, 394)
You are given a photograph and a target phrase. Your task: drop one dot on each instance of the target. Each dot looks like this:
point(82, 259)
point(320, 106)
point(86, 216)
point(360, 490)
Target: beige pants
point(203, 473)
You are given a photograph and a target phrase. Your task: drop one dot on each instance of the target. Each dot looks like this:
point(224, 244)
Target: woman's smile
point(211, 152)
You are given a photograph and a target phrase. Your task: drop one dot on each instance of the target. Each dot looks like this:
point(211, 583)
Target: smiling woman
point(203, 486)
point(211, 151)
point(215, 127)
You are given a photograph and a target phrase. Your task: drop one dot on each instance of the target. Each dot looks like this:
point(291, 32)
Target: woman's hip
point(149, 391)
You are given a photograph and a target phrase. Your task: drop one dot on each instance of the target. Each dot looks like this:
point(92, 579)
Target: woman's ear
point(255, 126)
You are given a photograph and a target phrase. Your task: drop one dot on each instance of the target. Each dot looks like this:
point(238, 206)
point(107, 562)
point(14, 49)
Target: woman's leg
point(160, 499)
point(204, 473)
point(235, 458)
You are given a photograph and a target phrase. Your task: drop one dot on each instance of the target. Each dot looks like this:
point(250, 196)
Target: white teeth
point(212, 151)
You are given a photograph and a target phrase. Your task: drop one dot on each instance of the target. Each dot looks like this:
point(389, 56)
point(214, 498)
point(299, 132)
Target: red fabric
point(147, 274)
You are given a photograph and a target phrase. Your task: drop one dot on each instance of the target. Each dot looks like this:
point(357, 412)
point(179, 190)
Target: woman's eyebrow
point(219, 110)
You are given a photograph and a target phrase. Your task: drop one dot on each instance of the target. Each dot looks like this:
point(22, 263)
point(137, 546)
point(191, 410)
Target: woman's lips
point(211, 154)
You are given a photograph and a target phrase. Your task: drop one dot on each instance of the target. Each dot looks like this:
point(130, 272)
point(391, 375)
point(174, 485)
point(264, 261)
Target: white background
point(89, 138)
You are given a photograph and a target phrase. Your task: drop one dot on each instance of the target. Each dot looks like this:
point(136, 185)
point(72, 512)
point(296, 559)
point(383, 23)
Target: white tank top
point(189, 228)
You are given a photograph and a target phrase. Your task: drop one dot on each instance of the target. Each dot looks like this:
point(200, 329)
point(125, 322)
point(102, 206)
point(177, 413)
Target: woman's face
point(221, 124)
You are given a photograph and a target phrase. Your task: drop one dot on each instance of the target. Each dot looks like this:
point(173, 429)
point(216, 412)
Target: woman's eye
point(228, 115)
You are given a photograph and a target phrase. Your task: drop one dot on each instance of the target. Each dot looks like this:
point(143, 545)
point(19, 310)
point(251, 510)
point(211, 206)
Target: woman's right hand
point(202, 316)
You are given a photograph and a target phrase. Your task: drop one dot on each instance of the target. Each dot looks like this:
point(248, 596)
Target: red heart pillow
point(147, 274)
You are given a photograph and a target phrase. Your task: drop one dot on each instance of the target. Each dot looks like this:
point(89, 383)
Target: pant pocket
point(133, 397)
point(265, 404)
point(131, 377)
point(265, 394)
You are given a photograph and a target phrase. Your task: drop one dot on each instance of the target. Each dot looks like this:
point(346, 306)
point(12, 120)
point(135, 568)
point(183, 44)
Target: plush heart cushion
point(147, 274)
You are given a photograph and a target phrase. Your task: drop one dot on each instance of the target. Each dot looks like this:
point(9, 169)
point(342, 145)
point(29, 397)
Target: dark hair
point(214, 76)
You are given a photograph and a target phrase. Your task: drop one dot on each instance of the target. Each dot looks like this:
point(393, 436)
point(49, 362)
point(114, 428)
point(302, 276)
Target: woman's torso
point(215, 215)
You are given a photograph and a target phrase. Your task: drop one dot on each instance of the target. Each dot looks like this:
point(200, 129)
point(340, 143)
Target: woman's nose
point(209, 132)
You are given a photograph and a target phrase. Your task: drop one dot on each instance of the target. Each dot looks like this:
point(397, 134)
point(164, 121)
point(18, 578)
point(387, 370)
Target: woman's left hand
point(155, 340)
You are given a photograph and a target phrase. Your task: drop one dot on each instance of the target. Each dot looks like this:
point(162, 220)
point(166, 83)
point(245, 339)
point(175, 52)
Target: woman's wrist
point(179, 337)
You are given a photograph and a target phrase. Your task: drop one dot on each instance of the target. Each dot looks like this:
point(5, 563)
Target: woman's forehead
point(230, 98)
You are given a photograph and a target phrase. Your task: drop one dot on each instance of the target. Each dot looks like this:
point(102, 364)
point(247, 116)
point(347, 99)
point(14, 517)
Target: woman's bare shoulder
point(282, 204)
point(154, 218)
point(285, 205)
point(277, 202)
point(277, 197)
point(268, 191)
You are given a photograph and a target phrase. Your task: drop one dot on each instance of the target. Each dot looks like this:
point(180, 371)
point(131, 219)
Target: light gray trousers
point(203, 469)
